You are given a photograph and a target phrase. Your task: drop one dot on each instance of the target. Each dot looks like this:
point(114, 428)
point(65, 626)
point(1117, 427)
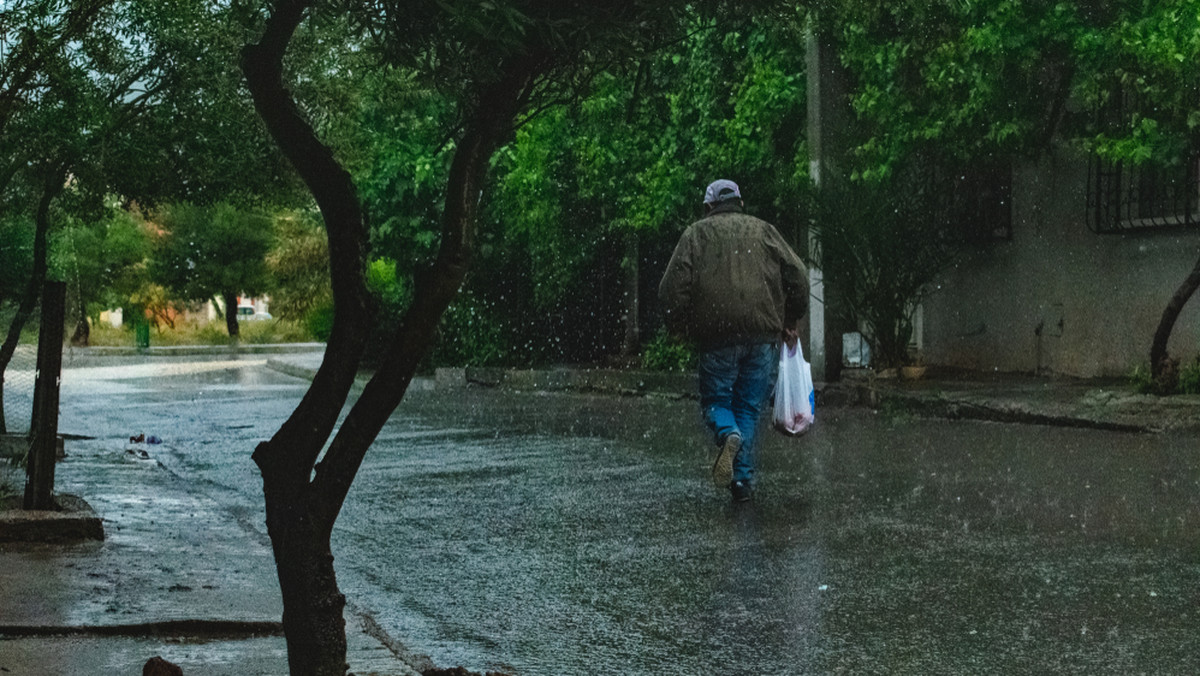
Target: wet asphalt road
point(574, 534)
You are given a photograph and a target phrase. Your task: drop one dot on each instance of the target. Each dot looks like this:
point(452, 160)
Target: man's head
point(720, 192)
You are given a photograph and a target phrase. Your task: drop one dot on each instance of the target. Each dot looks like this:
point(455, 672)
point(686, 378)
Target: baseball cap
point(721, 190)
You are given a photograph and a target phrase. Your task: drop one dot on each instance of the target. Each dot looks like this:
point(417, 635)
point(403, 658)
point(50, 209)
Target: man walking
point(735, 287)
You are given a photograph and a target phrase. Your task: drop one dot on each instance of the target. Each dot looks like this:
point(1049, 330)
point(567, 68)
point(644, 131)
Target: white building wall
point(1097, 298)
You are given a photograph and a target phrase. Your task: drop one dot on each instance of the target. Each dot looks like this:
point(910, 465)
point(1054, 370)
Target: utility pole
point(827, 119)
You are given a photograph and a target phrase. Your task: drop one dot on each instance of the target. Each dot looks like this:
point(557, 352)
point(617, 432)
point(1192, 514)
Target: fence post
point(39, 485)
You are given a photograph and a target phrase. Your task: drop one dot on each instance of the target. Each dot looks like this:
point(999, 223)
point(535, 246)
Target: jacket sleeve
point(675, 289)
point(795, 279)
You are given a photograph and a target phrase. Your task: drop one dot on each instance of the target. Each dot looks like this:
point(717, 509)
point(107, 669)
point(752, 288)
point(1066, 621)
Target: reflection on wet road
point(575, 534)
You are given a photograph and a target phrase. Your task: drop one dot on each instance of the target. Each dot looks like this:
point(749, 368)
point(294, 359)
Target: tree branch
point(29, 60)
point(1162, 334)
point(491, 119)
point(295, 447)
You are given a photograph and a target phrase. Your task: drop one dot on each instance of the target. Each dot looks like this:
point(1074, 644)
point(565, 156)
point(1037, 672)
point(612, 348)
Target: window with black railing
point(1123, 197)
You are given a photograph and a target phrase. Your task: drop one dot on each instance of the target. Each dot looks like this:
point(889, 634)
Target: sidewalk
point(1011, 398)
point(192, 581)
point(1026, 399)
point(1001, 397)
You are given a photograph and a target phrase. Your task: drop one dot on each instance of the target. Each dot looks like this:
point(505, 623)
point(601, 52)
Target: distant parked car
point(247, 313)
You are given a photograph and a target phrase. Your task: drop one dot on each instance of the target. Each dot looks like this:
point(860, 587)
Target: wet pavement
point(573, 534)
point(565, 533)
point(181, 547)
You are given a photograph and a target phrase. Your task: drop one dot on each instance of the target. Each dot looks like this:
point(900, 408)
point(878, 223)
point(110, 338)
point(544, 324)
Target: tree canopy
point(978, 79)
point(218, 251)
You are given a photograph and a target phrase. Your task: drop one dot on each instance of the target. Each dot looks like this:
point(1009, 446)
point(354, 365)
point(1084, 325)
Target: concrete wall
point(1098, 298)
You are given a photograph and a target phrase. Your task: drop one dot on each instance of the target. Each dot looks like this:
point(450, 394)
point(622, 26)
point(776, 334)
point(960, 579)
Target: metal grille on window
point(1125, 198)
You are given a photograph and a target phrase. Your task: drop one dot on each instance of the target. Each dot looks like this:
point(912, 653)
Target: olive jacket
point(732, 279)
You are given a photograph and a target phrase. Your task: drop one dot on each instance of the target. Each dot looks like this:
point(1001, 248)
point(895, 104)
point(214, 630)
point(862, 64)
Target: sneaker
point(722, 469)
point(739, 491)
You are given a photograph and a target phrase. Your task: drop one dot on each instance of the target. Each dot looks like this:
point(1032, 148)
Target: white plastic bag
point(794, 398)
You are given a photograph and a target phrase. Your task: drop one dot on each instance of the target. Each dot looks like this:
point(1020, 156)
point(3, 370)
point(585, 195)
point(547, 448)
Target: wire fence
point(18, 387)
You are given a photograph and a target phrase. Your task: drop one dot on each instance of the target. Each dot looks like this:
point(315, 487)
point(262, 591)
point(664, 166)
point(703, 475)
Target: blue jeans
point(735, 382)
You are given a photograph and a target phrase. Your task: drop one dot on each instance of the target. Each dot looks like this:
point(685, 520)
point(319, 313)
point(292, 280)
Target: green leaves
point(977, 79)
point(299, 267)
point(205, 251)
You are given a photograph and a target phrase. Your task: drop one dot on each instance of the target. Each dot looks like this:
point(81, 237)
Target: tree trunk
point(82, 336)
point(631, 275)
point(1158, 347)
point(312, 617)
point(231, 313)
point(37, 277)
point(629, 296)
point(83, 329)
point(303, 499)
point(313, 606)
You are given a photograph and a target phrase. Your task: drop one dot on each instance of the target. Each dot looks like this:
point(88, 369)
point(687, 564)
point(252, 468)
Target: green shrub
point(1178, 380)
point(210, 333)
point(273, 331)
point(319, 322)
point(471, 333)
point(1189, 378)
point(664, 353)
point(104, 334)
point(1140, 380)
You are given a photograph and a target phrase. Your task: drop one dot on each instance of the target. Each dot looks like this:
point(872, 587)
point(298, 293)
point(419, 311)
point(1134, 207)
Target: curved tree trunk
point(312, 603)
point(302, 505)
point(630, 269)
point(1158, 348)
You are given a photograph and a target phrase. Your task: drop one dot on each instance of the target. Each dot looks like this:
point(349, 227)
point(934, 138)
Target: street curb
point(199, 350)
point(941, 407)
point(627, 383)
point(207, 629)
point(307, 373)
point(294, 370)
point(1091, 408)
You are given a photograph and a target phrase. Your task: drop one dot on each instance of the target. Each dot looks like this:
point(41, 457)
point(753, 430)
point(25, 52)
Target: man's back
point(733, 279)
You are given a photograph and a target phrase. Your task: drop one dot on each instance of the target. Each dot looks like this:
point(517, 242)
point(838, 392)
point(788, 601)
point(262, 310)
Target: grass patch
point(204, 333)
